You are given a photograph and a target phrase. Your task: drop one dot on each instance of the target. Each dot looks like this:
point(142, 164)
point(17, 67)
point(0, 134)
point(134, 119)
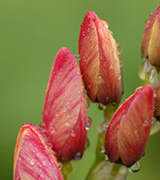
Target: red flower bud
point(99, 61)
point(128, 131)
point(33, 157)
point(150, 46)
point(64, 114)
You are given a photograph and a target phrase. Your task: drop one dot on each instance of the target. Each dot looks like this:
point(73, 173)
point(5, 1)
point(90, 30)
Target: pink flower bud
point(64, 113)
point(150, 46)
point(99, 61)
point(128, 131)
point(33, 157)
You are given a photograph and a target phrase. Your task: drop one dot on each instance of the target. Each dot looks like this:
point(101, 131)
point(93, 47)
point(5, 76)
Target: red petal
point(33, 157)
point(100, 62)
point(151, 37)
point(128, 131)
point(63, 101)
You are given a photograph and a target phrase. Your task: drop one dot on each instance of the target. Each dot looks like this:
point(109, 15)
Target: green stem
point(108, 112)
point(66, 169)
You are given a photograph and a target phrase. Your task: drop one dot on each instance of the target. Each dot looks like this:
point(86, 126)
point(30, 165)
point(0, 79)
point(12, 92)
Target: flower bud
point(64, 113)
point(150, 46)
point(33, 157)
point(128, 131)
point(99, 61)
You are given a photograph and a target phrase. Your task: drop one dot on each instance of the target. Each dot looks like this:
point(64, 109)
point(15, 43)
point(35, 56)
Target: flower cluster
point(62, 134)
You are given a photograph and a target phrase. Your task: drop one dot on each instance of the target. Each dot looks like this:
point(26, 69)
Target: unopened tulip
point(99, 61)
point(128, 131)
point(150, 46)
point(33, 157)
point(64, 113)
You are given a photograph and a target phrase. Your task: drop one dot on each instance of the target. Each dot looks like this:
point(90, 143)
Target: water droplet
point(87, 103)
point(102, 149)
point(106, 126)
point(73, 133)
point(60, 165)
point(88, 30)
point(101, 106)
point(56, 114)
point(105, 63)
point(136, 131)
point(85, 91)
point(84, 58)
point(147, 23)
point(67, 123)
point(120, 63)
point(46, 112)
point(32, 162)
point(150, 14)
point(78, 72)
point(119, 76)
point(44, 163)
point(111, 66)
point(154, 120)
point(52, 129)
point(64, 109)
point(87, 144)
point(89, 86)
point(77, 156)
point(81, 88)
point(106, 158)
point(77, 56)
point(83, 33)
point(107, 98)
point(145, 123)
point(89, 123)
point(114, 103)
point(154, 94)
point(135, 168)
point(119, 48)
point(42, 124)
point(99, 77)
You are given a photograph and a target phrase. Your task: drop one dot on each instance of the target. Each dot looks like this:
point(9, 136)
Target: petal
point(157, 100)
point(75, 144)
point(151, 37)
point(89, 54)
point(128, 131)
point(63, 101)
point(100, 62)
point(33, 157)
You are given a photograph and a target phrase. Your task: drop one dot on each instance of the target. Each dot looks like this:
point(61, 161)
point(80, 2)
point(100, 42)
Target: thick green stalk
point(100, 156)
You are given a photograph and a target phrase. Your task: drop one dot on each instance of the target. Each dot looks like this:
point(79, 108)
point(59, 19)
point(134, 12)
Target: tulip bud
point(33, 157)
point(128, 131)
point(64, 113)
point(99, 61)
point(150, 46)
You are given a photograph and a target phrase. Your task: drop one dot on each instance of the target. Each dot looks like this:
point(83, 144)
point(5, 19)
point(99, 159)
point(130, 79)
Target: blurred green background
point(31, 33)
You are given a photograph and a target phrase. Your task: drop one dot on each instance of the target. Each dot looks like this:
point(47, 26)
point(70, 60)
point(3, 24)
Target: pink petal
point(128, 131)
point(63, 102)
point(33, 157)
